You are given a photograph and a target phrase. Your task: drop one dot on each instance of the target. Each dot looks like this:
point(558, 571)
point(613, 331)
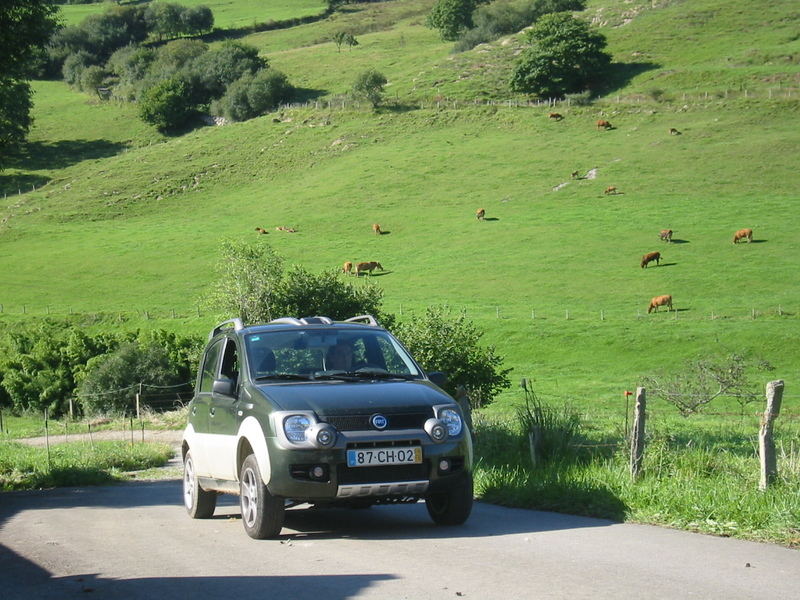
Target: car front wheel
point(451, 507)
point(199, 503)
point(262, 513)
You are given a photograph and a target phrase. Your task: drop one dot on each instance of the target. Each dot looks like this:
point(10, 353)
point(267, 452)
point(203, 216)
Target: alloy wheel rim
point(249, 498)
point(188, 484)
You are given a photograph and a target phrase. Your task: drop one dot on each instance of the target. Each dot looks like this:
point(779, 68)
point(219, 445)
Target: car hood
point(342, 398)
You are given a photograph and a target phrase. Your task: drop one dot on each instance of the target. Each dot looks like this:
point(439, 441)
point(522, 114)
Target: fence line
point(493, 311)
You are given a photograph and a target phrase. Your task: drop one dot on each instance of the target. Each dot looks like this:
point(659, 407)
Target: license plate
point(371, 457)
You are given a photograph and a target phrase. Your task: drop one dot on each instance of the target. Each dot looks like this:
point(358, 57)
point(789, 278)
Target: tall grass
point(78, 463)
point(709, 485)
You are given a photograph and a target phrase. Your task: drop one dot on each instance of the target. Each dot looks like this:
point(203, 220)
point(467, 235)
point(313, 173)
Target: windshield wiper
point(362, 374)
point(285, 377)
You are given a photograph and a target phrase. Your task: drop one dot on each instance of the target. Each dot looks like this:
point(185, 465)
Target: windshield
point(327, 354)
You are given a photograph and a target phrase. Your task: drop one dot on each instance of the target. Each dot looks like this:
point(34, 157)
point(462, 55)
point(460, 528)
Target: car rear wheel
point(451, 507)
point(262, 513)
point(199, 503)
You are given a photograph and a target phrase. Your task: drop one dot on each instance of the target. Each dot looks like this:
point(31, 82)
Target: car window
point(306, 352)
point(230, 362)
point(209, 371)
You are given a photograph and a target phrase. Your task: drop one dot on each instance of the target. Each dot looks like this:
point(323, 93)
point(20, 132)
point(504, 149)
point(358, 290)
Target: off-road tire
point(199, 503)
point(451, 507)
point(262, 513)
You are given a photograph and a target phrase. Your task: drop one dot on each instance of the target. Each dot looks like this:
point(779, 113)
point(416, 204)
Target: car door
point(201, 406)
point(223, 421)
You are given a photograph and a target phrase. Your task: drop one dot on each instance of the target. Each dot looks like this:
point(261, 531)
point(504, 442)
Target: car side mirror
point(223, 387)
point(438, 378)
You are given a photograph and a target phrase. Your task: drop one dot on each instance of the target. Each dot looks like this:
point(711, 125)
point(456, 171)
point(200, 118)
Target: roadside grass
point(707, 484)
point(30, 424)
point(24, 467)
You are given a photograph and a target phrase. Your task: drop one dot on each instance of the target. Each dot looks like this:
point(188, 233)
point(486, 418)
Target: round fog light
point(317, 472)
point(444, 465)
point(325, 437)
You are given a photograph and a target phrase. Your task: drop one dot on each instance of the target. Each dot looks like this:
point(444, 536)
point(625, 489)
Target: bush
point(551, 430)
point(440, 342)
point(451, 17)
point(369, 86)
point(254, 95)
point(113, 380)
point(74, 66)
point(92, 78)
point(167, 105)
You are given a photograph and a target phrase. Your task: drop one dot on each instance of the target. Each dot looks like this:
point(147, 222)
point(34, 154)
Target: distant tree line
point(173, 82)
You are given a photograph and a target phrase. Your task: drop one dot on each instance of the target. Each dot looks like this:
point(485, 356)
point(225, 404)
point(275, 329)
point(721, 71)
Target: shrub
point(369, 86)
point(112, 380)
point(74, 65)
point(443, 343)
point(551, 430)
point(254, 95)
point(91, 78)
point(167, 105)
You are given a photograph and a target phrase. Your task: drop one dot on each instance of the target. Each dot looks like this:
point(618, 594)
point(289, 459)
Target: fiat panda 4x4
point(327, 413)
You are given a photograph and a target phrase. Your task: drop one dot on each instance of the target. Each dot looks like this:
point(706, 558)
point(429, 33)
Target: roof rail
point(303, 321)
point(369, 319)
point(236, 323)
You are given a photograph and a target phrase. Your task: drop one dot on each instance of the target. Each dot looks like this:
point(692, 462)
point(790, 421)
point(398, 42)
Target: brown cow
point(376, 229)
point(665, 235)
point(743, 234)
point(347, 267)
point(673, 131)
point(650, 257)
point(660, 301)
point(576, 175)
point(603, 124)
point(612, 189)
point(480, 214)
point(368, 267)
point(556, 116)
point(261, 230)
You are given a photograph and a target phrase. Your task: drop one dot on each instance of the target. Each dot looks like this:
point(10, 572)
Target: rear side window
point(210, 363)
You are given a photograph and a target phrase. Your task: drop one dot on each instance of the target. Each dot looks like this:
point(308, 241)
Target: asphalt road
point(135, 541)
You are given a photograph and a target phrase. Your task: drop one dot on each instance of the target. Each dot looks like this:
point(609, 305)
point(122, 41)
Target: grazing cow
point(603, 124)
point(368, 267)
point(650, 257)
point(347, 267)
point(480, 214)
point(575, 175)
point(660, 301)
point(555, 116)
point(673, 131)
point(665, 235)
point(261, 230)
point(742, 234)
point(612, 189)
point(376, 228)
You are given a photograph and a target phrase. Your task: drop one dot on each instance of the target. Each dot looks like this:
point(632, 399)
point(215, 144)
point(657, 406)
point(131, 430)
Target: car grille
point(362, 422)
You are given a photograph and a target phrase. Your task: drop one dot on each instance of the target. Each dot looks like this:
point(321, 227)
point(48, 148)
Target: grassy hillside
point(124, 219)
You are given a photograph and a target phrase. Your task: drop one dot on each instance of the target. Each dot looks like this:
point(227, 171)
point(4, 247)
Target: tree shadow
point(302, 94)
point(56, 155)
point(18, 183)
point(620, 74)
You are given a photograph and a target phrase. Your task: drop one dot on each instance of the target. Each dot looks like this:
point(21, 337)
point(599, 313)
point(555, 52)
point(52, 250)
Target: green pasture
point(105, 215)
point(227, 15)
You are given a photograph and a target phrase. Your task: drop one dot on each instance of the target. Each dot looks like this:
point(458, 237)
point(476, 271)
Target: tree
point(197, 20)
point(702, 380)
point(26, 26)
point(452, 17)
point(440, 342)
point(565, 56)
point(166, 105)
point(369, 86)
point(212, 72)
point(344, 37)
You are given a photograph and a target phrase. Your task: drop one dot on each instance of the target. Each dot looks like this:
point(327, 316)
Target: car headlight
point(295, 428)
point(451, 420)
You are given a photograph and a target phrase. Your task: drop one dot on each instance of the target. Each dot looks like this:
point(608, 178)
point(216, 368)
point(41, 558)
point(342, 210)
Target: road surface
point(134, 540)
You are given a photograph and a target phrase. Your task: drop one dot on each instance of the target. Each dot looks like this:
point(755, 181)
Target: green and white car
point(321, 412)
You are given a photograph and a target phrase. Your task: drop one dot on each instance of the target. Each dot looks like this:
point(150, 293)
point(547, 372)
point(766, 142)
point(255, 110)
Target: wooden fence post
point(637, 433)
point(766, 443)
